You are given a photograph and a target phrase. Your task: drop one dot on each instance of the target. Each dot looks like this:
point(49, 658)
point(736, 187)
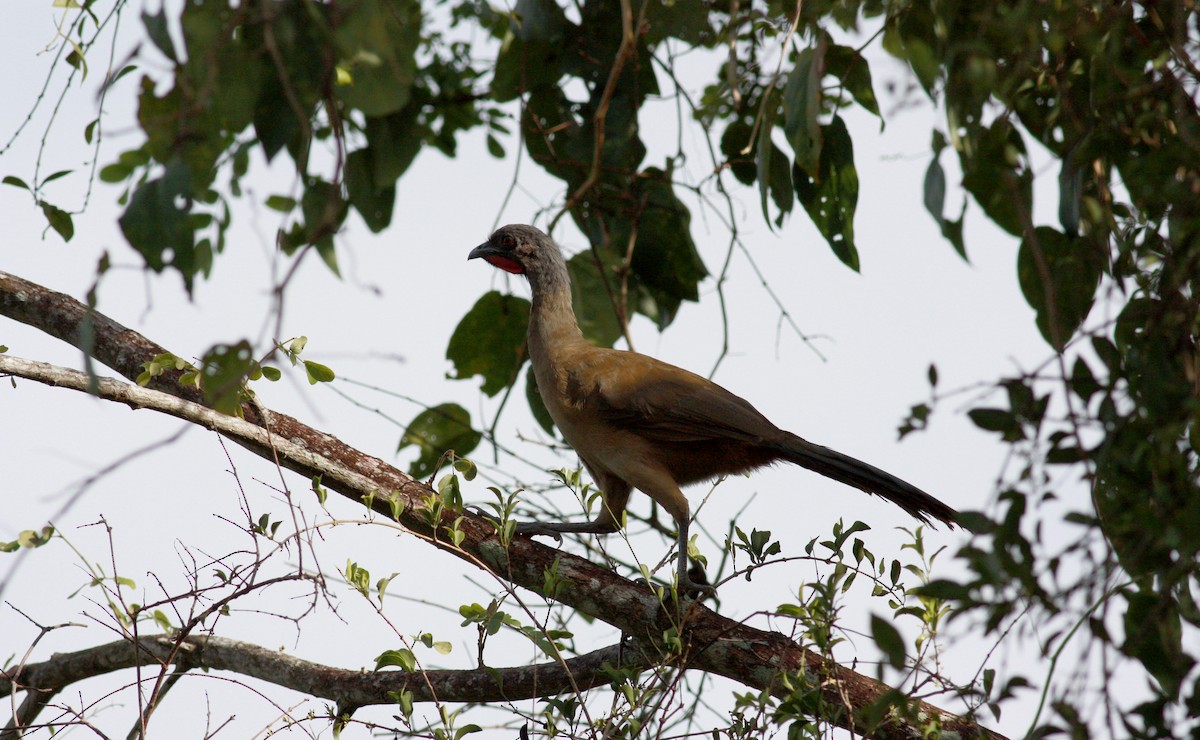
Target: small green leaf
point(998, 420)
point(317, 373)
point(90, 130)
point(57, 175)
point(115, 172)
point(281, 203)
point(402, 658)
point(59, 220)
point(271, 373)
point(15, 181)
point(494, 148)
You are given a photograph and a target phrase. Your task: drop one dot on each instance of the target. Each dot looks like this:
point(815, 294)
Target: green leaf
point(318, 373)
point(56, 175)
point(156, 29)
point(942, 589)
point(494, 148)
point(490, 341)
point(375, 204)
point(831, 197)
point(395, 141)
point(281, 203)
point(935, 190)
point(998, 420)
point(115, 172)
point(436, 430)
point(536, 404)
point(1070, 194)
point(846, 64)
point(665, 260)
point(1073, 268)
point(802, 106)
point(888, 640)
point(733, 141)
point(378, 41)
point(590, 296)
point(59, 220)
point(766, 150)
point(996, 171)
point(157, 226)
point(224, 371)
point(15, 182)
point(402, 658)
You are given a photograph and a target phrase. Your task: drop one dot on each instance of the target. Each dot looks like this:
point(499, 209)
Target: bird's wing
point(662, 402)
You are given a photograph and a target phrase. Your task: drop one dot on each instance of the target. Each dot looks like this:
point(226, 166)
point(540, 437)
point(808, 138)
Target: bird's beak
point(497, 258)
point(483, 250)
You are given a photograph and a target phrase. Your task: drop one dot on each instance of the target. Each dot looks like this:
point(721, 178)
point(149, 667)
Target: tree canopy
point(312, 114)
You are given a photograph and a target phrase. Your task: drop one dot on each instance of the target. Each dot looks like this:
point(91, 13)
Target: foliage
point(352, 92)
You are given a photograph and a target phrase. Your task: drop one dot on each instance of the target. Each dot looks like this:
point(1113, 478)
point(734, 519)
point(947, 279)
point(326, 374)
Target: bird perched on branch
point(636, 422)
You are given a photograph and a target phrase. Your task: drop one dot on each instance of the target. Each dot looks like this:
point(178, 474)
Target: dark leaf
point(888, 640)
point(935, 190)
point(831, 197)
point(802, 106)
point(1058, 276)
point(59, 220)
point(156, 29)
point(156, 223)
point(378, 41)
point(735, 139)
point(373, 203)
point(998, 420)
point(15, 181)
point(490, 341)
point(591, 297)
point(846, 64)
point(536, 405)
point(437, 430)
point(996, 171)
point(224, 370)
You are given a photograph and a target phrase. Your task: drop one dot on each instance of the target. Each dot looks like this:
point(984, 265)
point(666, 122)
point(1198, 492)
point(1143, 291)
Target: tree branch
point(710, 642)
point(348, 688)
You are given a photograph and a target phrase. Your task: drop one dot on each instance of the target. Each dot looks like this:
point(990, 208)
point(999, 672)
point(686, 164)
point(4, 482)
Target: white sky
point(387, 323)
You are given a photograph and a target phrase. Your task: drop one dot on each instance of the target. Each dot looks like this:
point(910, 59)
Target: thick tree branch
point(345, 687)
point(711, 643)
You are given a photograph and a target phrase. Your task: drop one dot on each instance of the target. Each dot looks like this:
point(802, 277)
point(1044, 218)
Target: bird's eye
point(507, 242)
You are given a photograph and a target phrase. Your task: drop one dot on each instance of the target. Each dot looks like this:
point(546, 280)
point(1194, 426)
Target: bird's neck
point(552, 321)
point(553, 329)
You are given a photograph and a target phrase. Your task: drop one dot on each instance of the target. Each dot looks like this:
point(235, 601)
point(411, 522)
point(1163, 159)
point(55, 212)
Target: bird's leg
point(558, 529)
point(683, 581)
point(607, 521)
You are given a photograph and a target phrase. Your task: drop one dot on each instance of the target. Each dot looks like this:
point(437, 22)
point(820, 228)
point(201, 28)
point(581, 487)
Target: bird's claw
point(533, 529)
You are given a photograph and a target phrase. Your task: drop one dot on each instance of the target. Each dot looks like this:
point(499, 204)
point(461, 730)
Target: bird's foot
point(534, 529)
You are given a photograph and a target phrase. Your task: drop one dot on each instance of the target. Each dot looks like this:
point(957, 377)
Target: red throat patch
point(506, 264)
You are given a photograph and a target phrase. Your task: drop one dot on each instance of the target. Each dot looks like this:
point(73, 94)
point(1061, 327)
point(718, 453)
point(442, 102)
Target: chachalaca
point(640, 423)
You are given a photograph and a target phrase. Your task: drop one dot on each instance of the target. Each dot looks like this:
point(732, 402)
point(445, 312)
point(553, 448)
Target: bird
point(638, 422)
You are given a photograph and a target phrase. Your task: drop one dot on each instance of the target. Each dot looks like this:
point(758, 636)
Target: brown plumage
point(640, 423)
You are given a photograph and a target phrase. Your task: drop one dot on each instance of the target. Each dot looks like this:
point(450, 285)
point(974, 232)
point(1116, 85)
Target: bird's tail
point(862, 476)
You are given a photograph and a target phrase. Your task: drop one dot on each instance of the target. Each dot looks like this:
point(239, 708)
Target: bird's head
point(519, 249)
